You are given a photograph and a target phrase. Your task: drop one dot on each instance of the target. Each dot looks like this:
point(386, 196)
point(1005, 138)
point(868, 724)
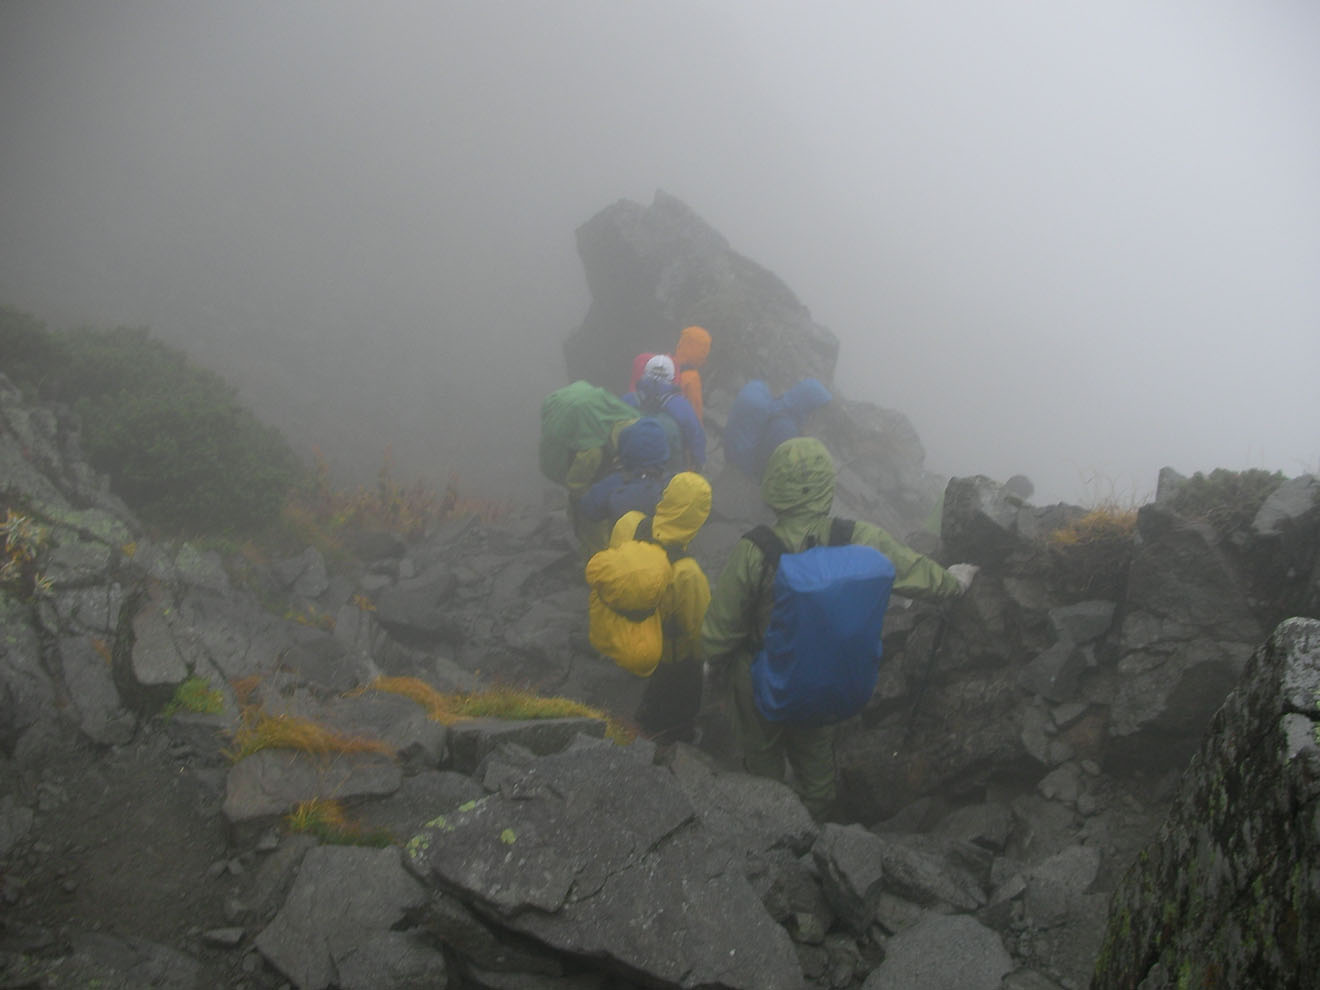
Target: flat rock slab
point(336, 925)
point(601, 857)
point(942, 951)
point(272, 782)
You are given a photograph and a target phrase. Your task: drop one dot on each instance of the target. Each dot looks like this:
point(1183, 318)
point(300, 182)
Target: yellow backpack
point(627, 582)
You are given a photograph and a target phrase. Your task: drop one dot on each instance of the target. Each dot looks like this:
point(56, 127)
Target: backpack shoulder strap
point(841, 531)
point(770, 545)
point(644, 533)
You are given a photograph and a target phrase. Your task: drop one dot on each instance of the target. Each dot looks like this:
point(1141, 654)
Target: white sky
point(1080, 241)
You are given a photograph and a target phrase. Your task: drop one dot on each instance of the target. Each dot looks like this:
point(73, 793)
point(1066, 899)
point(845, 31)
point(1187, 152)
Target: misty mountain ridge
point(1019, 751)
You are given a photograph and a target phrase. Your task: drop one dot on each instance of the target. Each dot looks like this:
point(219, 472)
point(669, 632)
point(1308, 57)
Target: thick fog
point(1075, 241)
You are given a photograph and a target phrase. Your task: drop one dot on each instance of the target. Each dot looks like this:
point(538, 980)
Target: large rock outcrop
point(1228, 895)
point(654, 270)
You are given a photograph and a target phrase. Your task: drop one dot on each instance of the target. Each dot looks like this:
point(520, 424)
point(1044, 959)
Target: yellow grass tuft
point(1102, 524)
point(327, 821)
point(261, 730)
point(498, 702)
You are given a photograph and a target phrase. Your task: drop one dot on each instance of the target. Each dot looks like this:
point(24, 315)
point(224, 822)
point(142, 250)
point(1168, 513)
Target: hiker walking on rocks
point(799, 487)
point(689, 357)
point(672, 697)
point(759, 422)
point(657, 395)
point(638, 483)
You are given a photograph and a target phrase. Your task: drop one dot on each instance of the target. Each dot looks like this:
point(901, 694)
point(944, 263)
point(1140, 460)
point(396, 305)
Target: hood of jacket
point(683, 508)
point(693, 347)
point(803, 397)
point(799, 478)
point(643, 444)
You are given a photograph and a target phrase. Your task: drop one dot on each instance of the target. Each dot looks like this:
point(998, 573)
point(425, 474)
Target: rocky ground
point(128, 843)
point(126, 853)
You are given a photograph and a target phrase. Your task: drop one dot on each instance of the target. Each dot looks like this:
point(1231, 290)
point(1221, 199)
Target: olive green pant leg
point(761, 742)
point(811, 755)
point(765, 746)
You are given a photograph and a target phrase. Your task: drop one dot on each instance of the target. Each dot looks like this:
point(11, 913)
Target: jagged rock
point(419, 741)
point(1228, 891)
point(93, 610)
point(1061, 784)
point(149, 653)
point(321, 936)
point(304, 575)
point(791, 891)
point(1055, 672)
point(851, 864)
point(419, 609)
point(1082, 622)
point(86, 673)
point(919, 869)
point(1185, 638)
point(390, 960)
point(420, 798)
point(654, 270)
point(1028, 979)
point(1055, 885)
point(980, 522)
point(27, 695)
point(484, 948)
point(1288, 506)
point(754, 814)
point(235, 634)
point(471, 741)
point(987, 825)
point(324, 665)
point(939, 952)
point(78, 564)
point(270, 783)
point(15, 823)
point(113, 962)
point(602, 858)
point(203, 569)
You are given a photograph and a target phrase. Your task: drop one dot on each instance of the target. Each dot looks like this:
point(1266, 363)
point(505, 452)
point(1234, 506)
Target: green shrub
point(195, 695)
point(174, 440)
point(1227, 500)
point(28, 352)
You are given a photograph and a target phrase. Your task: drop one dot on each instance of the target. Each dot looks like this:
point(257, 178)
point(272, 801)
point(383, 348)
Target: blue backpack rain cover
point(819, 661)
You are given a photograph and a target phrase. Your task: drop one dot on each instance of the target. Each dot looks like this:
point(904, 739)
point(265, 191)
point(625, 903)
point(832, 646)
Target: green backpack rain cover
point(574, 418)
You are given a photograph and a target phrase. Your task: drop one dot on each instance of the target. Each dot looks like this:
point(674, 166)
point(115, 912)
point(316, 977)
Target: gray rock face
point(654, 270)
point(602, 858)
point(1289, 506)
point(1229, 893)
point(322, 938)
point(1185, 638)
point(272, 782)
point(941, 952)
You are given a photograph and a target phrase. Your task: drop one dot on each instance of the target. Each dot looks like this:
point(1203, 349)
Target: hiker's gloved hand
point(963, 574)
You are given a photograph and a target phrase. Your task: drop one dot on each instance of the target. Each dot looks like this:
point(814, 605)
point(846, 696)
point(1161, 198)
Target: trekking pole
point(918, 695)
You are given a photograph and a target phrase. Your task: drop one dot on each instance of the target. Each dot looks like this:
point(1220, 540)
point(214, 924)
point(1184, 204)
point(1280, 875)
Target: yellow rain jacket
point(627, 580)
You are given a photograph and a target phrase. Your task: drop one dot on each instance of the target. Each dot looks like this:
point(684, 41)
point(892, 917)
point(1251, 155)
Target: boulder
point(939, 952)
point(322, 938)
point(1228, 894)
point(1185, 637)
point(602, 858)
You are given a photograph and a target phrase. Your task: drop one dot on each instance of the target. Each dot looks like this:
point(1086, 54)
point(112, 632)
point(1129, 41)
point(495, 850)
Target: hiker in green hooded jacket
point(799, 486)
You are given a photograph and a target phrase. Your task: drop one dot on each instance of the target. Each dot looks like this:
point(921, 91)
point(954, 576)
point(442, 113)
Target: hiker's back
point(821, 611)
point(576, 420)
